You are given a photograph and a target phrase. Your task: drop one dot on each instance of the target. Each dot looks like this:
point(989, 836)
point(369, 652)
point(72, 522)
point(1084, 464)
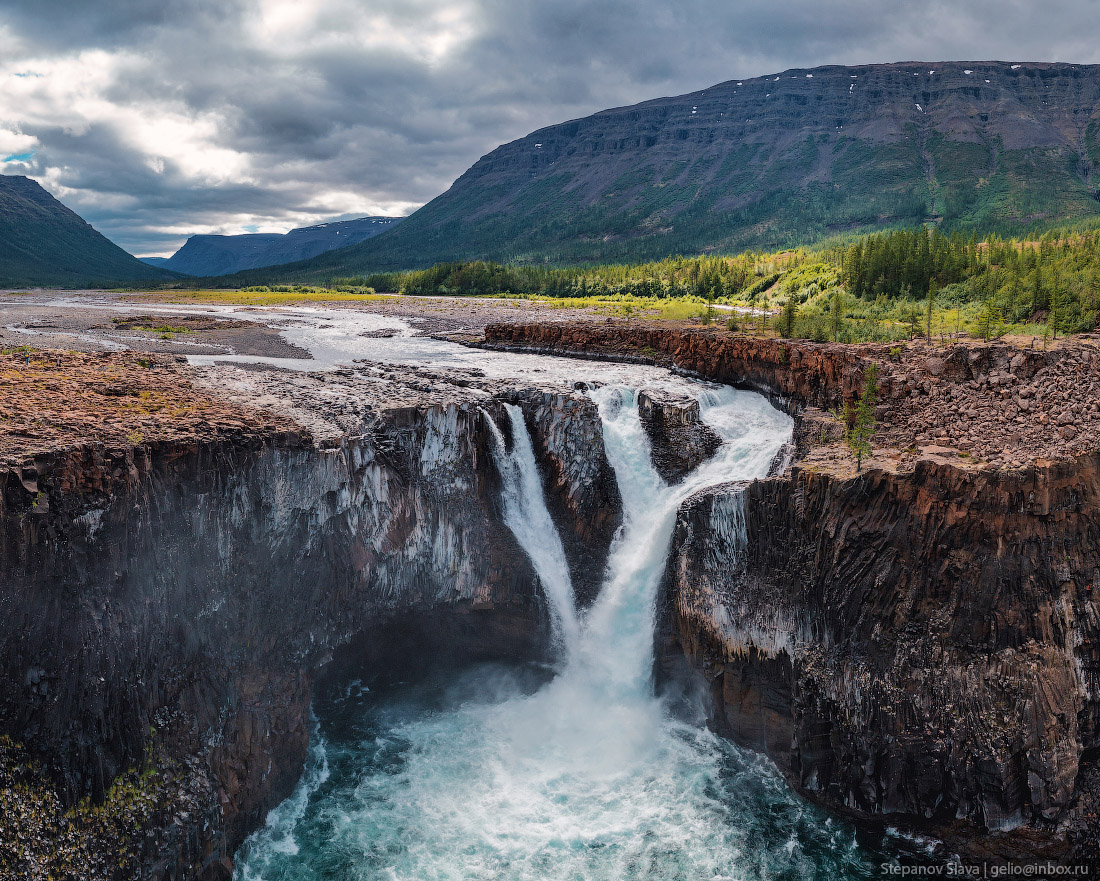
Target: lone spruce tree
point(859, 418)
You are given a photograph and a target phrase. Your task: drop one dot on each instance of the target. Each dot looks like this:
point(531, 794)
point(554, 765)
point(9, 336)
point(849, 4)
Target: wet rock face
point(174, 601)
point(680, 441)
point(582, 494)
point(919, 645)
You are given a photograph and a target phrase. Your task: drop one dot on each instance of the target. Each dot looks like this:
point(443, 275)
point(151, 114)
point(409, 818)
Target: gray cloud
point(155, 120)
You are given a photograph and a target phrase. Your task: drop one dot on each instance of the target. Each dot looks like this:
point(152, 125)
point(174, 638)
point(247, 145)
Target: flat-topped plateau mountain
point(769, 162)
point(221, 255)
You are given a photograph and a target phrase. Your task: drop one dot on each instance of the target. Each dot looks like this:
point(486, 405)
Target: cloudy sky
point(155, 120)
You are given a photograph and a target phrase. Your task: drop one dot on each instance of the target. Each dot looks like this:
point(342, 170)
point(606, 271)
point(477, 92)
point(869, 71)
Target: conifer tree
point(929, 305)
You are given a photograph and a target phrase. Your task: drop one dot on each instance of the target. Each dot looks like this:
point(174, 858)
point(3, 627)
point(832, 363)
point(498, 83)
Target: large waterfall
point(587, 776)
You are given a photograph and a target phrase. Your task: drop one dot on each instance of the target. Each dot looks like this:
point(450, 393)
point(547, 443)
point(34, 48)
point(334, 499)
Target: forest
point(886, 286)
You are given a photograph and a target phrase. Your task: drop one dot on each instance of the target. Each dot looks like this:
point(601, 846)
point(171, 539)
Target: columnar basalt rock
point(581, 492)
point(679, 439)
point(919, 642)
point(820, 375)
point(920, 646)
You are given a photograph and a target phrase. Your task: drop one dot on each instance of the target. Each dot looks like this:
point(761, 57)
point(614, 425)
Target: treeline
point(710, 278)
point(1054, 280)
point(881, 286)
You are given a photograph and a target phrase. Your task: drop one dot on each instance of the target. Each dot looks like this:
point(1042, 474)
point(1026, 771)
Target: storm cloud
point(157, 120)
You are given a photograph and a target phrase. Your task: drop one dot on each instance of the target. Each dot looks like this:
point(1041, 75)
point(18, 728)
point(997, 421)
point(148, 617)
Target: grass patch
point(254, 298)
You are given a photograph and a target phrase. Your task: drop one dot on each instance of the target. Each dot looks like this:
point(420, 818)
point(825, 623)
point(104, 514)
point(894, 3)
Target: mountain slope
point(769, 162)
point(44, 243)
point(208, 255)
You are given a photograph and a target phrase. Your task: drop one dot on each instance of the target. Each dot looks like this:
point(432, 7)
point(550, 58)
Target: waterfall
point(617, 641)
point(526, 515)
point(590, 775)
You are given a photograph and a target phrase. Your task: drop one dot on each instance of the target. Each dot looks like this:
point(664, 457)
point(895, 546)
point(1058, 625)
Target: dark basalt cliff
point(168, 605)
point(792, 375)
point(918, 643)
point(679, 440)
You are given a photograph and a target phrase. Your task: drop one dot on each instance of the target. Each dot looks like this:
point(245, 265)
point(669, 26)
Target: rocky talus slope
point(181, 553)
point(918, 642)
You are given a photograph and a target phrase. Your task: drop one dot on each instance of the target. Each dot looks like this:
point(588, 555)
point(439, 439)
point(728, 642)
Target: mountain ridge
point(768, 162)
point(212, 255)
point(44, 243)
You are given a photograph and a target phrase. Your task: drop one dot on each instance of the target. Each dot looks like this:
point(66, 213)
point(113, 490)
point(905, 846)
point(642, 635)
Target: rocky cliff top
point(52, 401)
point(975, 404)
point(993, 404)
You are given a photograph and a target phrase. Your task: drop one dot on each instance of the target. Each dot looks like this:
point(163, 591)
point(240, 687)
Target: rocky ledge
point(917, 643)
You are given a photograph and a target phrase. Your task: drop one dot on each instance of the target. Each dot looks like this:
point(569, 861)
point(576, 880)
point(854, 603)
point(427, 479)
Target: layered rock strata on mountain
point(170, 598)
point(919, 642)
point(767, 162)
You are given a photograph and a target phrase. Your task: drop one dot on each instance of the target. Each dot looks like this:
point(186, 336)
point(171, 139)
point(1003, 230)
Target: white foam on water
point(591, 776)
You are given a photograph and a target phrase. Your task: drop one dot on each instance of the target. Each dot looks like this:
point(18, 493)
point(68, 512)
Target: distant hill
point(206, 255)
point(154, 261)
point(43, 243)
point(769, 162)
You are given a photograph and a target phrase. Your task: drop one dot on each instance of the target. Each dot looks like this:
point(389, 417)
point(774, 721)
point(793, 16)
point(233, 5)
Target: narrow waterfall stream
point(526, 515)
point(499, 773)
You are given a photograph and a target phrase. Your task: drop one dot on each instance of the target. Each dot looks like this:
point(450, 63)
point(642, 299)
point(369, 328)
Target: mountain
point(154, 261)
point(222, 255)
point(769, 162)
point(44, 243)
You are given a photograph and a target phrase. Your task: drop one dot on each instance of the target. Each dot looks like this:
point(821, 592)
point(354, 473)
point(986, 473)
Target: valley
point(700, 488)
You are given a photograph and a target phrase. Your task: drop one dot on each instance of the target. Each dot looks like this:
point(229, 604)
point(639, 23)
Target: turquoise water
point(580, 772)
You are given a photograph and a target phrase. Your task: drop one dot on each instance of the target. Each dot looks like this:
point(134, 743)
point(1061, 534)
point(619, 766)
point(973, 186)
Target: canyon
point(188, 550)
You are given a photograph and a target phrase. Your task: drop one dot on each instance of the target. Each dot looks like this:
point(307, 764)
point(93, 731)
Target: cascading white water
point(590, 776)
point(526, 515)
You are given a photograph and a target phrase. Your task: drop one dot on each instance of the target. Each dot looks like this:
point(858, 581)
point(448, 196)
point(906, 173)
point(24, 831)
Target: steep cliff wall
point(919, 645)
point(803, 373)
point(168, 604)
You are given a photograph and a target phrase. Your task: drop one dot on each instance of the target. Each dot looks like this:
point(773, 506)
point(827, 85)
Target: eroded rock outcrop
point(679, 439)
